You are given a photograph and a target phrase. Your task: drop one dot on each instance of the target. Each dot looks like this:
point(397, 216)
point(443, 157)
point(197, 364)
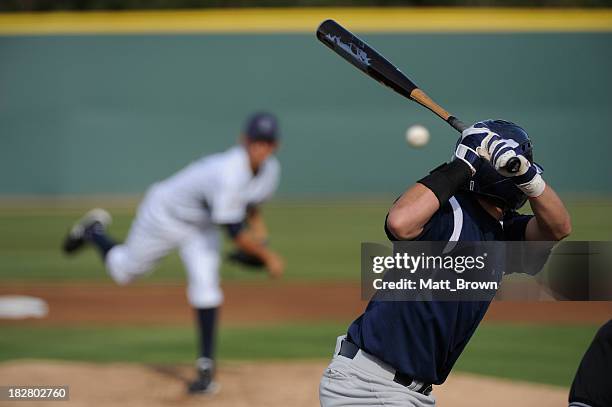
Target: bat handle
point(512, 166)
point(456, 124)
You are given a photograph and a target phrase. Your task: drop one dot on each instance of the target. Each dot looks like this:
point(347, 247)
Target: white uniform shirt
point(217, 189)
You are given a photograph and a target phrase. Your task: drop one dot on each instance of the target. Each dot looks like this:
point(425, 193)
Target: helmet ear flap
point(526, 150)
point(495, 188)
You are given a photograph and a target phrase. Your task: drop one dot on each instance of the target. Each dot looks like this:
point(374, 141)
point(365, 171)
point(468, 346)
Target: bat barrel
point(368, 60)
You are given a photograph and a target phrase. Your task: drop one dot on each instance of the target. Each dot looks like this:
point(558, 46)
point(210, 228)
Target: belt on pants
point(350, 350)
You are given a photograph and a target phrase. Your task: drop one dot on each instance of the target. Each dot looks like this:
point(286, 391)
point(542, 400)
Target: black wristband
point(445, 180)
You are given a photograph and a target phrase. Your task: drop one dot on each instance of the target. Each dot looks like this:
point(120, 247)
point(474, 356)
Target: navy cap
point(262, 127)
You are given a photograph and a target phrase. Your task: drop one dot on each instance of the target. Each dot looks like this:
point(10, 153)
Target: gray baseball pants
point(365, 381)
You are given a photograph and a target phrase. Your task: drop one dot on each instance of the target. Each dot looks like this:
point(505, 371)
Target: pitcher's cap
point(262, 126)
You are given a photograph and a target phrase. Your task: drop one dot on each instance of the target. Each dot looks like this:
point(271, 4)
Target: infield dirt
point(269, 384)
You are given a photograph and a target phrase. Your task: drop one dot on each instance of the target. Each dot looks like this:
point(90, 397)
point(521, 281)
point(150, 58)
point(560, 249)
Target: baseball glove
point(245, 259)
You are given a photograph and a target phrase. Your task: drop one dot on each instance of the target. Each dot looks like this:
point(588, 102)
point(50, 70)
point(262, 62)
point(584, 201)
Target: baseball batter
point(185, 212)
point(395, 351)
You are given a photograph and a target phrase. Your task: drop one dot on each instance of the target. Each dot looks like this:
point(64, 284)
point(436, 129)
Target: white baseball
point(417, 135)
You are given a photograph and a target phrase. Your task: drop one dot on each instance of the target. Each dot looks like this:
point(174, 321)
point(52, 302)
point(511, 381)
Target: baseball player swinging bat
point(396, 350)
point(369, 61)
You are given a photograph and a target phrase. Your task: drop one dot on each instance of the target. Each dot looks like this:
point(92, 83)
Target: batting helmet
point(488, 183)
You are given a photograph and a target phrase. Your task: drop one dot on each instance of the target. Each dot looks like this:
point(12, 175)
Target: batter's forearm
point(551, 221)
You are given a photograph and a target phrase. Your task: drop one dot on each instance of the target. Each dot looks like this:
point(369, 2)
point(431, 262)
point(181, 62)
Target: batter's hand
point(498, 151)
point(275, 265)
point(469, 149)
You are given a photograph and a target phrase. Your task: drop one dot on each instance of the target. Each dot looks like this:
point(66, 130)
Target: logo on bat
point(359, 55)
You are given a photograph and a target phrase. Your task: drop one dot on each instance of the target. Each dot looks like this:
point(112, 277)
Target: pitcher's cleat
point(204, 384)
point(75, 238)
point(199, 386)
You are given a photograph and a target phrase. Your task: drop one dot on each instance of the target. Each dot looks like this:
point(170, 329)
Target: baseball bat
point(373, 64)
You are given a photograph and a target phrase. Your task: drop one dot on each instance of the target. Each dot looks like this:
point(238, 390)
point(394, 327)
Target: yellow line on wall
point(305, 20)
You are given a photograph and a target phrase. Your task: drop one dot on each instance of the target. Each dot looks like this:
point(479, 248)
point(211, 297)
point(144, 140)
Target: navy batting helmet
point(488, 183)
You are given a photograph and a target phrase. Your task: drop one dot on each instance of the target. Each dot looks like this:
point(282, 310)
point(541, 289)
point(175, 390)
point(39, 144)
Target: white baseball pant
point(155, 233)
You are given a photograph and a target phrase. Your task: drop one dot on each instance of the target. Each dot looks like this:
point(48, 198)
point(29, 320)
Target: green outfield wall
point(106, 114)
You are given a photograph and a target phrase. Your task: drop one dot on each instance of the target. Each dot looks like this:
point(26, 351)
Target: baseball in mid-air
point(417, 135)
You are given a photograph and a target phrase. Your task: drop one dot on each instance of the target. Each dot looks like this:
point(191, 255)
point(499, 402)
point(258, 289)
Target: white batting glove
point(470, 147)
point(498, 151)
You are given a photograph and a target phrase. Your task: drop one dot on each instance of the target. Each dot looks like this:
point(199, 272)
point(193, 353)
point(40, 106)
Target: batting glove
point(470, 146)
point(498, 151)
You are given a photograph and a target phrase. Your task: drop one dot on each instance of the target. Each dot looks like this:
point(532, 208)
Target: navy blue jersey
point(424, 339)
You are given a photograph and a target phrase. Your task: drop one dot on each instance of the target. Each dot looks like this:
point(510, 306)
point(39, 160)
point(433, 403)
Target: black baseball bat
point(373, 64)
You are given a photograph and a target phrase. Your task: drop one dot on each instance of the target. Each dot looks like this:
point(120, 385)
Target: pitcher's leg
point(147, 242)
point(90, 228)
point(200, 254)
point(149, 239)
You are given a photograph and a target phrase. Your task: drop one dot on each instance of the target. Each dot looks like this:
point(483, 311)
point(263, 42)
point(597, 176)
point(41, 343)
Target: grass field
point(545, 354)
point(319, 240)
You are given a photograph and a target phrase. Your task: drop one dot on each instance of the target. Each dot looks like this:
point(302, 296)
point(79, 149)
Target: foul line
point(305, 20)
